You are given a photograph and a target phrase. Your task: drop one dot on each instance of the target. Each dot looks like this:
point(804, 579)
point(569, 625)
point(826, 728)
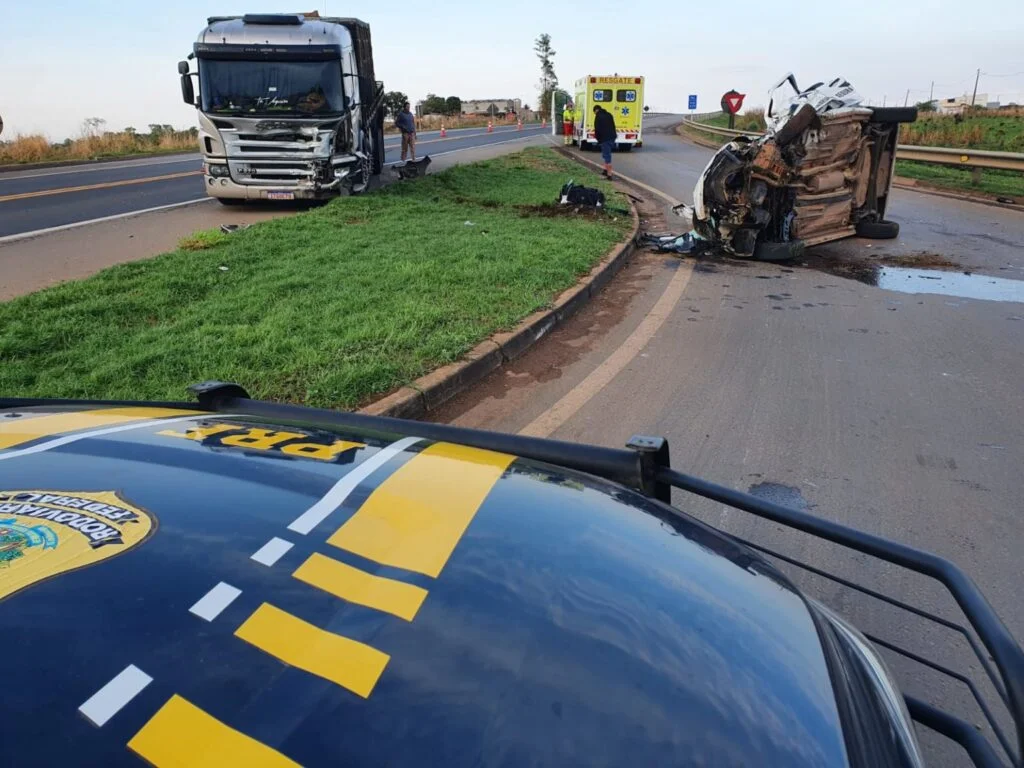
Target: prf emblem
point(47, 533)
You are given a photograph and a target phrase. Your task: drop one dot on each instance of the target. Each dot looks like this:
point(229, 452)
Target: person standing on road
point(567, 121)
point(606, 134)
point(406, 123)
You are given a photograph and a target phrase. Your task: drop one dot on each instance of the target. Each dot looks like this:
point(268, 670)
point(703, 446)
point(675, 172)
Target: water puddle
point(950, 284)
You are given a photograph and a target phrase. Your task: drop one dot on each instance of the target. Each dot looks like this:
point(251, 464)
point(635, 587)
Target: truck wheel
point(768, 251)
point(894, 114)
point(878, 230)
point(231, 200)
point(378, 148)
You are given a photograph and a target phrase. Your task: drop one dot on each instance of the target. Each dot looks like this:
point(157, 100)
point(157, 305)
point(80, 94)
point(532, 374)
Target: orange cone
point(490, 127)
point(443, 131)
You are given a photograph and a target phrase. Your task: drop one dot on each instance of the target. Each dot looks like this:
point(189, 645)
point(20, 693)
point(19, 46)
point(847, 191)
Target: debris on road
point(228, 229)
point(412, 169)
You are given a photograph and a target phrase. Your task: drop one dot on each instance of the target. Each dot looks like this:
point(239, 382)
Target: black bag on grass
point(576, 194)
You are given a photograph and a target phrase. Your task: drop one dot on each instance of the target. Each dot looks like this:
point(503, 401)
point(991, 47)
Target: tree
point(925, 106)
point(548, 78)
point(433, 104)
point(394, 101)
point(453, 106)
point(93, 126)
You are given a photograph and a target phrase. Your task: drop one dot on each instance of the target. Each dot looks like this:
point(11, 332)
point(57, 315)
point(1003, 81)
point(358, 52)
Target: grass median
point(330, 307)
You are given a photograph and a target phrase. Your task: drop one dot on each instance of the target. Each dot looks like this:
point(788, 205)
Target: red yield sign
point(732, 101)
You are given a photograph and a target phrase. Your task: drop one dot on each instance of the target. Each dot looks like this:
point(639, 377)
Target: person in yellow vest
point(567, 120)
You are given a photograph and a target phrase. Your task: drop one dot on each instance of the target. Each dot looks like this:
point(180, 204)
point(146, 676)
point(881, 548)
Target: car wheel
point(878, 230)
point(894, 114)
point(768, 251)
point(796, 125)
point(231, 200)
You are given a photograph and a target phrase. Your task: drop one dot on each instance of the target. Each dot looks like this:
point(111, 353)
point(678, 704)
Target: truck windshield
point(271, 87)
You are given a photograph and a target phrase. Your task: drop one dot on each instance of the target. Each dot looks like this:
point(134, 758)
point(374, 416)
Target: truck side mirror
point(188, 93)
point(182, 67)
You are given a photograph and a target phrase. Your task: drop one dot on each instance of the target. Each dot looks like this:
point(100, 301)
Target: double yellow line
point(103, 185)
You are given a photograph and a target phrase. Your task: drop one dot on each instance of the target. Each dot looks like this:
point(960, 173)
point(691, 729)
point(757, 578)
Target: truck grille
point(282, 158)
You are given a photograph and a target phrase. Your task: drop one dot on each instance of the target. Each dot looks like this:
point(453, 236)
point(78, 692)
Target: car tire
point(785, 251)
point(796, 125)
point(878, 230)
point(232, 200)
point(894, 114)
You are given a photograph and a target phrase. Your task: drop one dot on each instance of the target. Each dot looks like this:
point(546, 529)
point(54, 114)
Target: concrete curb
point(429, 392)
point(96, 161)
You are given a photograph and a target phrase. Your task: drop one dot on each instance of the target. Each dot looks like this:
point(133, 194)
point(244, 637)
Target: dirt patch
point(553, 211)
point(865, 269)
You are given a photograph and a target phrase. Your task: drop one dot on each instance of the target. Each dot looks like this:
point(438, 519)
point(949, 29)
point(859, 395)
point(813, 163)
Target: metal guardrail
point(965, 158)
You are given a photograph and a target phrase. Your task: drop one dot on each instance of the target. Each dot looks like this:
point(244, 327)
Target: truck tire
point(796, 125)
point(378, 148)
point(878, 230)
point(786, 251)
point(894, 114)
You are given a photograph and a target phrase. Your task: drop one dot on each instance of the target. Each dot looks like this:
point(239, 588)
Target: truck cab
point(288, 106)
point(622, 96)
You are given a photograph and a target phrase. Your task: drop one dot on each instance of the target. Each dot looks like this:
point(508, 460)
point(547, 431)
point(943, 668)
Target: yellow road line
point(181, 734)
point(356, 586)
point(414, 519)
point(103, 185)
point(28, 427)
point(349, 663)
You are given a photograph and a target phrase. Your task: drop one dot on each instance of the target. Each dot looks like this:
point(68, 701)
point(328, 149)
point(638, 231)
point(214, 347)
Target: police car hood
point(213, 590)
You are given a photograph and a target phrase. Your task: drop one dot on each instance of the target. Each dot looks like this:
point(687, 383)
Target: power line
point(1012, 74)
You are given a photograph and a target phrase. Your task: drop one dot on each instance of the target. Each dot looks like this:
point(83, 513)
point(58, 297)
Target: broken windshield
point(271, 87)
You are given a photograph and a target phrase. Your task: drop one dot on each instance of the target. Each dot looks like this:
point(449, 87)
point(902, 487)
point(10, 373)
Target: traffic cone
point(443, 131)
point(519, 125)
point(490, 127)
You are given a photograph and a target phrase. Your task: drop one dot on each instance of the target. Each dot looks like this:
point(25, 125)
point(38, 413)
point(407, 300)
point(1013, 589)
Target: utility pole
point(883, 100)
point(931, 92)
point(975, 94)
point(906, 98)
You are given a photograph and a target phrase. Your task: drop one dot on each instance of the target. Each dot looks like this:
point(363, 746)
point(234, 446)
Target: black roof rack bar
point(994, 635)
point(978, 651)
point(1003, 741)
point(979, 750)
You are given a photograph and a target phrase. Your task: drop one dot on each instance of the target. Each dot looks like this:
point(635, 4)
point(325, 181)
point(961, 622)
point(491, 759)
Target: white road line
point(112, 697)
point(210, 605)
point(67, 439)
point(333, 499)
point(120, 165)
point(76, 224)
point(272, 551)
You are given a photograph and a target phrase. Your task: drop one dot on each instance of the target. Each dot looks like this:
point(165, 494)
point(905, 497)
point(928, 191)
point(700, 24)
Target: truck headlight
point(219, 171)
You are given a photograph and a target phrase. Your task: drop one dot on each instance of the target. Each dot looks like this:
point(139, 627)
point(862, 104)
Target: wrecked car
point(821, 172)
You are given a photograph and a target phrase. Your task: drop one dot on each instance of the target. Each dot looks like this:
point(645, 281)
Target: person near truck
point(606, 134)
point(406, 123)
point(567, 121)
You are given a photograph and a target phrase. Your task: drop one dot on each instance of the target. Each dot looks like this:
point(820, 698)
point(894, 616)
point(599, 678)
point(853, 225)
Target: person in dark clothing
point(606, 134)
point(406, 123)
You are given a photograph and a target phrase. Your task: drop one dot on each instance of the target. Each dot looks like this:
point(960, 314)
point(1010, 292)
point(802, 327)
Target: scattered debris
point(222, 268)
point(227, 229)
point(412, 169)
point(687, 242)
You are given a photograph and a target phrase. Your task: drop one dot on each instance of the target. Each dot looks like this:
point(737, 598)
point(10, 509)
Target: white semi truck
point(288, 106)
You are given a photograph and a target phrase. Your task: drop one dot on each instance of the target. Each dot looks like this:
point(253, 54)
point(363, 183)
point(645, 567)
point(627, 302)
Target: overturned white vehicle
point(821, 172)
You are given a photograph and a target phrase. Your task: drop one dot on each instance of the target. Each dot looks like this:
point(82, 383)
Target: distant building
point(491, 106)
point(958, 104)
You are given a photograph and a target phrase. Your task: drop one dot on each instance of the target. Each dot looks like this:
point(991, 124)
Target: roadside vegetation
point(991, 181)
point(94, 142)
point(329, 307)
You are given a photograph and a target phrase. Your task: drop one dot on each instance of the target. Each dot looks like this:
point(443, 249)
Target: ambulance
point(622, 96)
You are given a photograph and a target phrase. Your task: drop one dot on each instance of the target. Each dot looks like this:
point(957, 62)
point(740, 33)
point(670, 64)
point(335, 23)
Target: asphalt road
point(900, 414)
point(32, 200)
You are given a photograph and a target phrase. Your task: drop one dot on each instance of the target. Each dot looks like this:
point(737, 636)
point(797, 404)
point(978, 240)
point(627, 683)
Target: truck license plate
point(280, 195)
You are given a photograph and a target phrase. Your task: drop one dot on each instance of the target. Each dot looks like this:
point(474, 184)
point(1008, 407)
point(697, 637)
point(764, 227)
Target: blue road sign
point(691, 102)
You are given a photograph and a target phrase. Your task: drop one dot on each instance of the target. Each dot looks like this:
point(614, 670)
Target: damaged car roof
point(183, 585)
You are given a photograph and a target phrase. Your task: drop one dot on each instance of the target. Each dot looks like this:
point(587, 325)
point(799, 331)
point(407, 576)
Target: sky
point(95, 58)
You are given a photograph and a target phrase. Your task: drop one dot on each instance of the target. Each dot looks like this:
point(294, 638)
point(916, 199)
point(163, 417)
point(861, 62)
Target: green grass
point(999, 131)
point(329, 307)
point(993, 182)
